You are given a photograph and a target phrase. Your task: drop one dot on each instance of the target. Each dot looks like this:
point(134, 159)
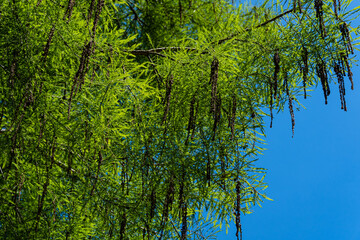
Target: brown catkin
point(123, 226)
point(169, 84)
point(13, 69)
point(195, 117)
point(181, 194)
point(276, 61)
point(291, 109)
point(238, 211)
point(191, 115)
point(340, 76)
point(322, 74)
point(318, 4)
point(169, 198)
point(215, 107)
point(80, 74)
point(345, 62)
point(233, 117)
point(47, 46)
point(271, 107)
point(97, 16)
point(69, 10)
point(208, 170)
point(91, 8)
point(180, 12)
point(346, 37)
point(305, 68)
point(152, 203)
point(184, 222)
point(222, 165)
point(217, 115)
point(214, 75)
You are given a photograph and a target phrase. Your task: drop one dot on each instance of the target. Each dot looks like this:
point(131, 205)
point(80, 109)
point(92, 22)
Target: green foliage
point(132, 120)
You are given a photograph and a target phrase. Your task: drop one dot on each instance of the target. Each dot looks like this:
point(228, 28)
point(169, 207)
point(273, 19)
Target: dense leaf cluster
point(143, 119)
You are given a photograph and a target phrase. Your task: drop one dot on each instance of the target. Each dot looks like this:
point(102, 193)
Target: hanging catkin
point(214, 75)
point(318, 4)
point(184, 222)
point(47, 46)
point(123, 226)
point(91, 8)
point(233, 117)
point(215, 98)
point(217, 115)
point(169, 83)
point(191, 124)
point(238, 211)
point(69, 10)
point(346, 37)
point(305, 68)
point(271, 107)
point(152, 203)
point(345, 61)
point(169, 198)
point(276, 61)
point(322, 74)
point(340, 76)
point(291, 109)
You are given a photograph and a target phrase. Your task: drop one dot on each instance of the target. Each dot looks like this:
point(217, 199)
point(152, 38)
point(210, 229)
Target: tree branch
point(258, 26)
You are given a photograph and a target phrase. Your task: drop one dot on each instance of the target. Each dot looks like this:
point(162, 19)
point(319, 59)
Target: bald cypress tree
point(136, 119)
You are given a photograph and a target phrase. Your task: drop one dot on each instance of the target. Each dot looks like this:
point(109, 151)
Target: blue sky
point(314, 177)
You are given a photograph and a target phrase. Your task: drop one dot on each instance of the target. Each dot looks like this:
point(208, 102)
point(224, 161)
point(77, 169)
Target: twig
point(258, 26)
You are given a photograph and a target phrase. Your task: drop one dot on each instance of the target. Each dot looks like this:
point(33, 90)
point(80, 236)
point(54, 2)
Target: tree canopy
point(144, 119)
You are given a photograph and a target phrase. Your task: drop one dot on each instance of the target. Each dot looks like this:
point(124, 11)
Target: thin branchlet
point(297, 5)
point(335, 4)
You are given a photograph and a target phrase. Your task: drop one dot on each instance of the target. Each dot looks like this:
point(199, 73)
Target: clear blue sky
point(314, 177)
